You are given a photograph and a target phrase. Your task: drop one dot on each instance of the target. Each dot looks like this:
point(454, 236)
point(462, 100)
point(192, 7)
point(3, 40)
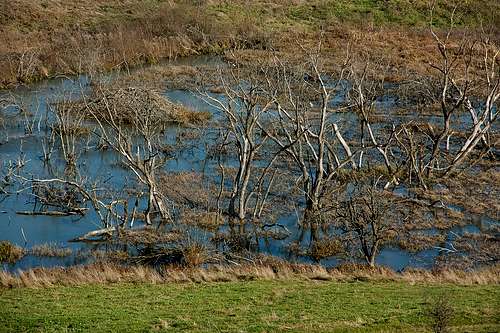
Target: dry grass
point(481, 249)
point(194, 254)
point(75, 130)
point(129, 105)
point(240, 241)
point(477, 193)
point(147, 235)
point(417, 241)
point(189, 189)
point(44, 38)
point(49, 250)
point(10, 253)
point(325, 248)
point(210, 221)
point(265, 269)
point(168, 75)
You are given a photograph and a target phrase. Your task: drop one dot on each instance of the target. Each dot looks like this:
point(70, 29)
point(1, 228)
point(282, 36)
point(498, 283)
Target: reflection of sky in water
point(105, 166)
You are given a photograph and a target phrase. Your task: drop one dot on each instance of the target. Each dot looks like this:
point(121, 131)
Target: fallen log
point(75, 211)
point(48, 213)
point(90, 236)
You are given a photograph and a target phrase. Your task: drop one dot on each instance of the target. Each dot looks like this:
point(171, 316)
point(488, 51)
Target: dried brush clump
point(325, 248)
point(126, 106)
point(441, 313)
point(419, 241)
point(264, 268)
point(147, 235)
point(237, 242)
point(170, 76)
point(50, 250)
point(10, 253)
point(195, 254)
point(188, 189)
point(210, 221)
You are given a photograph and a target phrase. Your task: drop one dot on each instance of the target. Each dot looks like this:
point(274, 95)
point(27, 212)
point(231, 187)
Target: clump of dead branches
point(136, 104)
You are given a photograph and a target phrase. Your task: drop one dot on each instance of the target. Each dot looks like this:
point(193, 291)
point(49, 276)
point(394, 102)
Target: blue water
point(18, 142)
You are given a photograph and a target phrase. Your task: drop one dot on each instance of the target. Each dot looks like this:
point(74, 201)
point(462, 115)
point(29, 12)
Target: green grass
point(255, 306)
point(379, 12)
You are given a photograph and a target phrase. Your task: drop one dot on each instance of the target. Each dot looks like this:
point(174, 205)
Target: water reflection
point(104, 165)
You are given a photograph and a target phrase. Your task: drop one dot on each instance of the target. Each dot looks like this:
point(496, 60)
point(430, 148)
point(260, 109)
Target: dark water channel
point(28, 231)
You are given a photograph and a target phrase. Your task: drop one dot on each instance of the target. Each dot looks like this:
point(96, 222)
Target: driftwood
point(144, 235)
point(90, 236)
point(75, 211)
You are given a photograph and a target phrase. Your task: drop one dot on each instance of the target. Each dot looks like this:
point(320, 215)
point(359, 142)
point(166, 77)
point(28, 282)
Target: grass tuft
point(10, 253)
point(50, 250)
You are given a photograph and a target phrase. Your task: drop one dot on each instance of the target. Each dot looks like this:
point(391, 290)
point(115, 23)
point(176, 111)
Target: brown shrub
point(42, 40)
point(147, 235)
point(129, 105)
point(10, 253)
point(210, 221)
point(325, 248)
point(188, 189)
point(49, 250)
point(194, 254)
point(416, 242)
point(441, 313)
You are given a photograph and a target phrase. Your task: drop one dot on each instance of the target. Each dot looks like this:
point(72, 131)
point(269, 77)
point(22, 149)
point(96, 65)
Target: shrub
point(441, 313)
point(194, 255)
point(10, 253)
point(50, 250)
point(325, 248)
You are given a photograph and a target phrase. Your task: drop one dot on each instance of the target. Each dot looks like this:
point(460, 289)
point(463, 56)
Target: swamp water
point(28, 231)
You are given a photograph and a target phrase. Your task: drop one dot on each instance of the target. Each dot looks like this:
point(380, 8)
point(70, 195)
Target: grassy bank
point(45, 38)
point(253, 306)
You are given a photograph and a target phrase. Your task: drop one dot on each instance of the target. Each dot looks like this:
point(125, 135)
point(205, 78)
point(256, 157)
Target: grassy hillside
point(38, 15)
point(377, 12)
point(43, 38)
point(253, 306)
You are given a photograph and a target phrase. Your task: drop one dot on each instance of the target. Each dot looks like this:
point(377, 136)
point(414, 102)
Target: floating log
point(48, 213)
point(89, 236)
point(74, 211)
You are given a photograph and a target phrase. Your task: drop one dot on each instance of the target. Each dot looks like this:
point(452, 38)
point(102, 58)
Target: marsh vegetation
point(313, 149)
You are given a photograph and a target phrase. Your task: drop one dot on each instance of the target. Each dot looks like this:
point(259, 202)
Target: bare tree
point(244, 108)
point(68, 127)
point(362, 97)
point(131, 125)
point(484, 113)
point(465, 86)
point(365, 219)
point(303, 122)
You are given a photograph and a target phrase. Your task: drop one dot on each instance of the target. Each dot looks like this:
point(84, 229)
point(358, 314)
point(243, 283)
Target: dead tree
point(465, 84)
point(485, 113)
point(362, 97)
point(244, 107)
point(365, 220)
point(133, 131)
point(68, 128)
point(304, 128)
